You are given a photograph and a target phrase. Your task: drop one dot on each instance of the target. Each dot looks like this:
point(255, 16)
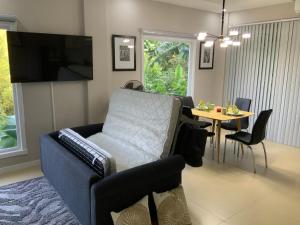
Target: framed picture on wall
point(206, 58)
point(124, 53)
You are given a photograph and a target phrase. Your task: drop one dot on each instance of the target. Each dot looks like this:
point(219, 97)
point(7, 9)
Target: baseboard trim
point(20, 166)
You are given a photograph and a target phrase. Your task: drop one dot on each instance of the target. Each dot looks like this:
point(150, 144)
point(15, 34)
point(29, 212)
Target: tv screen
point(36, 57)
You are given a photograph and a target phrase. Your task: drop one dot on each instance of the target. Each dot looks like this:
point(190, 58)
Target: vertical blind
point(266, 69)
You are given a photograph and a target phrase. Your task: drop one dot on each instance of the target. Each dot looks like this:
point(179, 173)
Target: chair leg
point(238, 150)
point(266, 159)
point(213, 149)
point(253, 159)
point(242, 148)
point(234, 147)
point(224, 150)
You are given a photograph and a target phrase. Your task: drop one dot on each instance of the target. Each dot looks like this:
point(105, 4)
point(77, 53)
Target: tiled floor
point(231, 194)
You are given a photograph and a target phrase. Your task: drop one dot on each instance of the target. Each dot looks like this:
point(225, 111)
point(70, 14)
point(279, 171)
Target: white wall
point(50, 16)
point(127, 17)
point(95, 17)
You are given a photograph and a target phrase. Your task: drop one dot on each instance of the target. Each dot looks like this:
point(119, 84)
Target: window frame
point(192, 57)
point(10, 24)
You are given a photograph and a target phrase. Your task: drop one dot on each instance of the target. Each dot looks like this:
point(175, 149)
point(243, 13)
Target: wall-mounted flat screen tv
point(37, 57)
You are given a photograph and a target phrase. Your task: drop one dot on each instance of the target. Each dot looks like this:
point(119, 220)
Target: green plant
point(166, 66)
point(8, 137)
point(8, 134)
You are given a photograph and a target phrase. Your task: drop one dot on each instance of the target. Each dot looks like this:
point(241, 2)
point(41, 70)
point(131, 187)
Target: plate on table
point(234, 114)
point(202, 108)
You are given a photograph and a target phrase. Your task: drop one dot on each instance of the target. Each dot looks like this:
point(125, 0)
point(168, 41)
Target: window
point(168, 67)
point(11, 108)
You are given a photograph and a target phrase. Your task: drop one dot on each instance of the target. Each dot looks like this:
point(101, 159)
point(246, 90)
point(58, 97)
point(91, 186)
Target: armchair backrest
point(145, 120)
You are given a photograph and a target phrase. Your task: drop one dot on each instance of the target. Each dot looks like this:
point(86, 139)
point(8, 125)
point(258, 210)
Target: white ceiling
point(231, 5)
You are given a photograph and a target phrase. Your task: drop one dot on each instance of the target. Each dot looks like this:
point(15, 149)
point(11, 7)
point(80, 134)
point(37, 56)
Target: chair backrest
point(145, 120)
point(188, 101)
point(187, 111)
point(243, 104)
point(260, 126)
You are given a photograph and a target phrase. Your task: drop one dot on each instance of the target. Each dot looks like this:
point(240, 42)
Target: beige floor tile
point(273, 210)
point(200, 216)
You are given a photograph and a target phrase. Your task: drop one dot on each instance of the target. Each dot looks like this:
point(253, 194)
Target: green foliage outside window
point(8, 135)
point(166, 67)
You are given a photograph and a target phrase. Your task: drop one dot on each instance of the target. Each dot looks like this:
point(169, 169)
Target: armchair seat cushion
point(126, 155)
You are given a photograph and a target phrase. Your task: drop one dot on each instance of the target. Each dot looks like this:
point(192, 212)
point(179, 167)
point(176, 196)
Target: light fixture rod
point(212, 35)
point(223, 18)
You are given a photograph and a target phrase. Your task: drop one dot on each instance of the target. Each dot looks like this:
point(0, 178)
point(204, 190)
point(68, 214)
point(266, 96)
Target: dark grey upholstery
point(71, 177)
point(91, 198)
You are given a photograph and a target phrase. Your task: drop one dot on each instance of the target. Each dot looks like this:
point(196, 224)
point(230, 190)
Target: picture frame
point(206, 57)
point(123, 53)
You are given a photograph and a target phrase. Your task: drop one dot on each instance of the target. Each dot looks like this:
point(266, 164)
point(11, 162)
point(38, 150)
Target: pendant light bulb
point(208, 44)
point(233, 33)
point(223, 45)
point(236, 43)
point(201, 36)
point(246, 35)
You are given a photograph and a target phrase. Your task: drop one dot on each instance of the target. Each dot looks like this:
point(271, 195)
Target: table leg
point(213, 128)
point(218, 139)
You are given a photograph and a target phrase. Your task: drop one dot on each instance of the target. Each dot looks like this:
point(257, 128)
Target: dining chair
point(243, 104)
point(256, 137)
point(188, 117)
point(188, 102)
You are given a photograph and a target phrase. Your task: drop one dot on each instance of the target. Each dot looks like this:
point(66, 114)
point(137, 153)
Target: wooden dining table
point(217, 118)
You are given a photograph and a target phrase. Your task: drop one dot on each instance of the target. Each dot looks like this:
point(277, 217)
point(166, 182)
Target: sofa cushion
point(137, 214)
point(143, 120)
point(171, 207)
point(126, 155)
point(98, 159)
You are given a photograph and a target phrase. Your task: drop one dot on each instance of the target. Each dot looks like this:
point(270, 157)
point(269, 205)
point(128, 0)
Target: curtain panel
point(266, 69)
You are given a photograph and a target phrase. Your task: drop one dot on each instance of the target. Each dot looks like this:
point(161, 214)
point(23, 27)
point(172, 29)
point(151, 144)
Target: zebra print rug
point(33, 202)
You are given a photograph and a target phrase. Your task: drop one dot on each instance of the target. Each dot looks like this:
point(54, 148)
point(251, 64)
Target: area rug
point(33, 202)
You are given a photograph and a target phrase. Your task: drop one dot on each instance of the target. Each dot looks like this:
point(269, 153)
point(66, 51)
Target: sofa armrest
point(121, 190)
point(71, 177)
point(88, 130)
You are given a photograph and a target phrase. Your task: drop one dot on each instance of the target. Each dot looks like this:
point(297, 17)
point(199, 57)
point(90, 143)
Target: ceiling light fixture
point(209, 44)
point(232, 38)
point(246, 35)
point(233, 33)
point(236, 43)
